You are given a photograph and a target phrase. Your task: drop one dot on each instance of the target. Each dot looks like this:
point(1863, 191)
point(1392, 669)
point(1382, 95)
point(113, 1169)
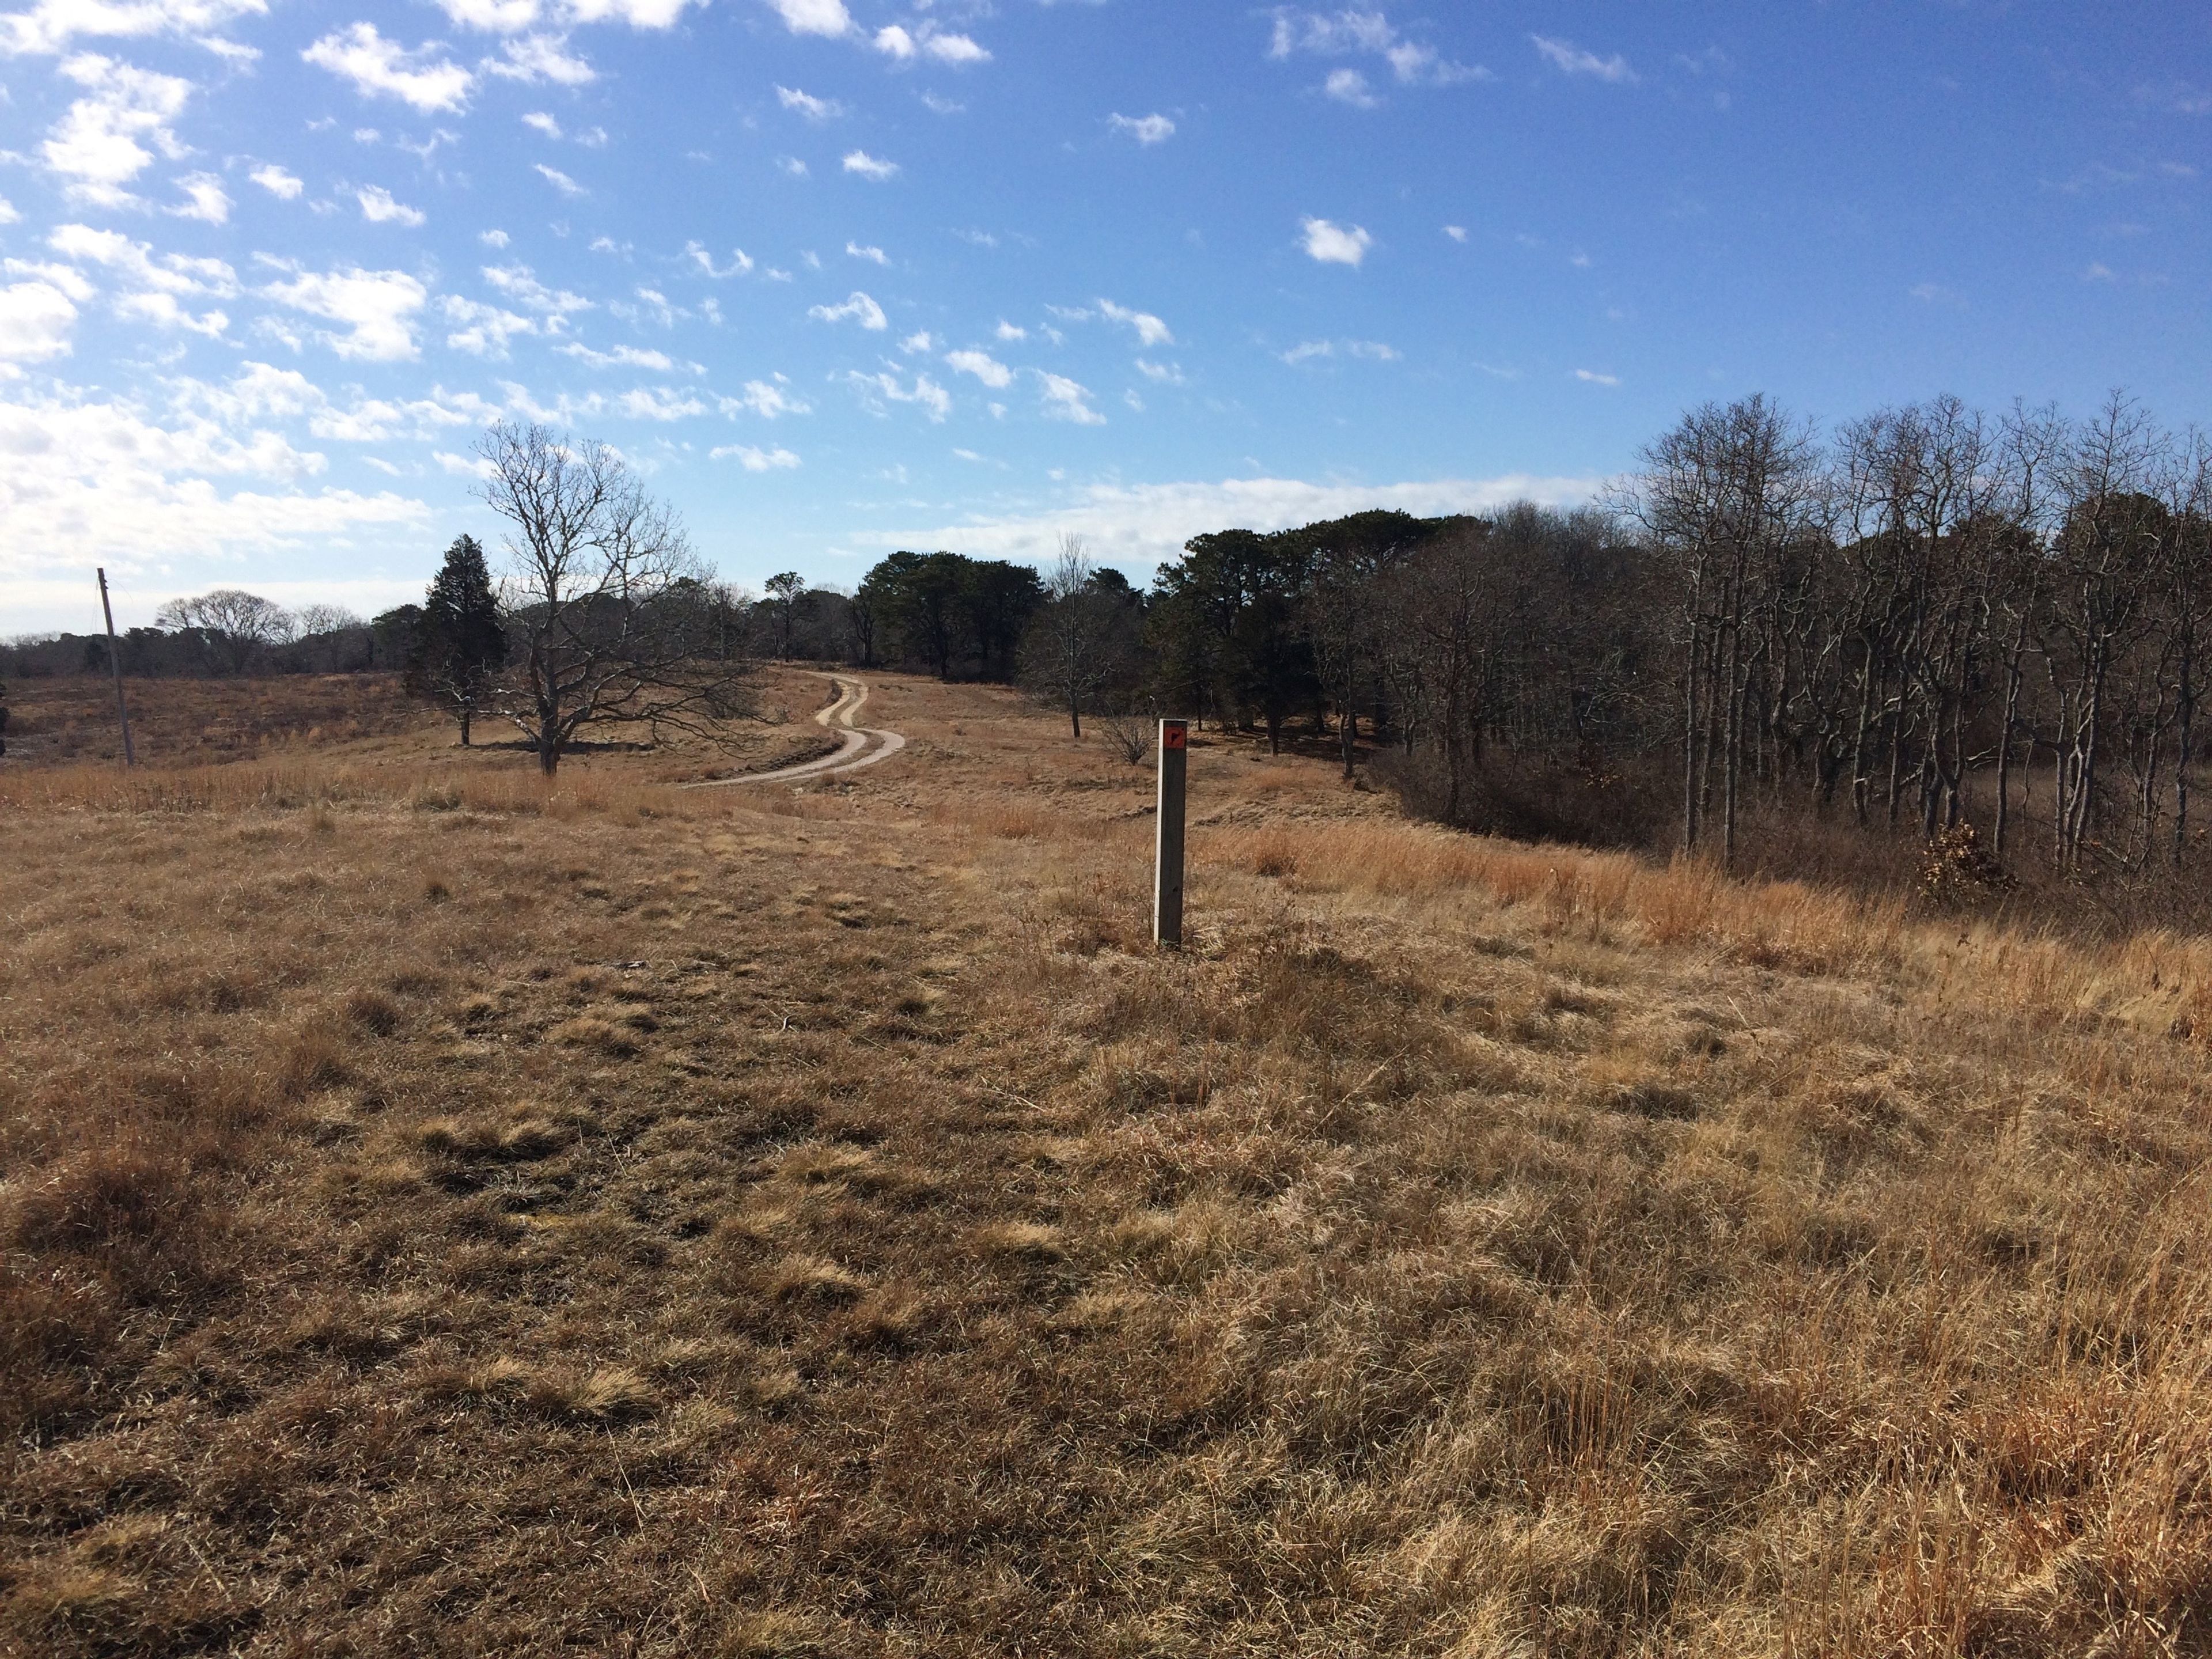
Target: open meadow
point(448, 1214)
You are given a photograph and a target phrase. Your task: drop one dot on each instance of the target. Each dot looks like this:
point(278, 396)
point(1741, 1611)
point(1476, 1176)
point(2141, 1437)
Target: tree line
point(1930, 625)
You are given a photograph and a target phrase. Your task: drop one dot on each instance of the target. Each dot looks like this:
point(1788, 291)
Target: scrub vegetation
point(447, 1209)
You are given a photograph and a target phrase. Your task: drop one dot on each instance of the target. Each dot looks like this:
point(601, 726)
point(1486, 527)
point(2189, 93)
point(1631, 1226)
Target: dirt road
point(853, 740)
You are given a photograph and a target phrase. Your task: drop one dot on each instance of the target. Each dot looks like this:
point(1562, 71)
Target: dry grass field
point(443, 1216)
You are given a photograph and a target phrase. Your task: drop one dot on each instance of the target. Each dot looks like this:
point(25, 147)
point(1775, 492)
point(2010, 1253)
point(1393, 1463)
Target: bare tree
point(1726, 494)
point(236, 625)
point(611, 614)
point(1072, 648)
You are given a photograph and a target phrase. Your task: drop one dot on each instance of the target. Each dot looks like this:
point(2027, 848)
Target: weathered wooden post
point(115, 666)
point(1167, 855)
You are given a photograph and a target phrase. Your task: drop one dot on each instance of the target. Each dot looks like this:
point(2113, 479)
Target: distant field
point(445, 1216)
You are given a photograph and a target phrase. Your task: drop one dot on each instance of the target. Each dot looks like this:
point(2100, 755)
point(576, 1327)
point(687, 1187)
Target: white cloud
point(1141, 524)
point(543, 122)
point(424, 79)
point(1166, 373)
point(740, 262)
point(1570, 59)
point(876, 390)
point(95, 146)
point(755, 460)
point(513, 17)
point(279, 182)
point(1349, 86)
point(1457, 233)
point(1341, 34)
point(983, 366)
point(875, 255)
point(205, 199)
point(83, 481)
point(560, 180)
point(483, 331)
point(163, 311)
point(940, 106)
point(1007, 330)
point(8, 214)
point(1151, 330)
point(893, 41)
point(1065, 400)
point(376, 307)
point(657, 403)
point(823, 17)
point(492, 238)
point(260, 391)
point(1334, 244)
point(1144, 129)
point(813, 108)
point(793, 166)
point(870, 166)
point(533, 58)
point(378, 208)
point(2097, 272)
point(155, 285)
point(623, 357)
point(1372, 350)
point(1591, 377)
point(858, 308)
point(955, 48)
point(36, 320)
point(520, 285)
point(921, 341)
point(49, 26)
point(767, 400)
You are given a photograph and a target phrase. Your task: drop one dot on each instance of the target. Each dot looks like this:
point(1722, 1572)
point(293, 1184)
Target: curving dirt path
point(852, 752)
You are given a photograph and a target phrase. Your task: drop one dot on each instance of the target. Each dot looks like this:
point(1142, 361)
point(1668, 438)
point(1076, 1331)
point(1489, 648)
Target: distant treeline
point(1933, 626)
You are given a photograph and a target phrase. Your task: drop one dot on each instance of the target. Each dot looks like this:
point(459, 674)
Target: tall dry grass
point(437, 1219)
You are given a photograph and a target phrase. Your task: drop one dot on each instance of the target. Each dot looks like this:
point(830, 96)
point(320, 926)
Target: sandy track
point(853, 750)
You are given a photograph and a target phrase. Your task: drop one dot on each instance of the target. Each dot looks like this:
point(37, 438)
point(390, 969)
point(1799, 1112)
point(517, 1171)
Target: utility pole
point(115, 666)
point(1167, 852)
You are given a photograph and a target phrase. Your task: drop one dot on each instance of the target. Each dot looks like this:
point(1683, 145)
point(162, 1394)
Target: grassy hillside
point(443, 1217)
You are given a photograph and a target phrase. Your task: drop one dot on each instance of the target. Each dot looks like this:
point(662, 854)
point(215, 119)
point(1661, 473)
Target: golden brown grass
point(445, 1215)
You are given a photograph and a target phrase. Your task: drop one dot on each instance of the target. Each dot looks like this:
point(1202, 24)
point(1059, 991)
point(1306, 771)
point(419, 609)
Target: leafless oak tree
point(611, 614)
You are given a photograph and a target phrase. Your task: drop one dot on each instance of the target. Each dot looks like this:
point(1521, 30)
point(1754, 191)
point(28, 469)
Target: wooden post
point(1167, 857)
point(115, 667)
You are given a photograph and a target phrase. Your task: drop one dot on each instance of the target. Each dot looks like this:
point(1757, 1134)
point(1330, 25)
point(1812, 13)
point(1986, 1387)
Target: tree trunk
point(465, 712)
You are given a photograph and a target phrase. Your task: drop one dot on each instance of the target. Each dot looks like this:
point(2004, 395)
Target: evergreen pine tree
point(460, 640)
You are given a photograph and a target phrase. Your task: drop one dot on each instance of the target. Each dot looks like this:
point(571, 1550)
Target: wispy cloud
point(1308, 351)
point(1570, 59)
point(425, 79)
point(859, 308)
point(755, 460)
point(1066, 400)
point(1349, 86)
point(813, 108)
point(1347, 33)
point(1144, 129)
point(870, 166)
point(378, 207)
point(983, 366)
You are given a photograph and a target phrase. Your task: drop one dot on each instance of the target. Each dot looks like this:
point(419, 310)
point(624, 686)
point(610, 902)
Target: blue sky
point(846, 276)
